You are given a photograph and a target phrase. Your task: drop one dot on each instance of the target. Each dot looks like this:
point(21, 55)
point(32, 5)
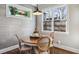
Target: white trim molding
point(66, 48)
point(8, 49)
point(55, 45)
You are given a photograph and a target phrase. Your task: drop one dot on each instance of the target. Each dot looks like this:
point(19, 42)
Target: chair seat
point(26, 48)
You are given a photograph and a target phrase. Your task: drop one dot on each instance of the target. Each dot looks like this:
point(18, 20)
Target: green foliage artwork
point(15, 11)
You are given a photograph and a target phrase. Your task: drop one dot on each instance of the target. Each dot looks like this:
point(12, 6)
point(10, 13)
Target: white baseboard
point(66, 48)
point(55, 45)
point(8, 49)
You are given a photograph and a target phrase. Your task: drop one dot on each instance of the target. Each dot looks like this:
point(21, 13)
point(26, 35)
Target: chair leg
point(30, 51)
point(20, 51)
point(26, 52)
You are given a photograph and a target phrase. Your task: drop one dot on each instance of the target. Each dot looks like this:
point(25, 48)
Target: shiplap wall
point(10, 26)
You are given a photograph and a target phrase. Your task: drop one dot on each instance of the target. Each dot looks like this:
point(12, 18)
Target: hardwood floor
point(53, 50)
point(15, 51)
point(56, 50)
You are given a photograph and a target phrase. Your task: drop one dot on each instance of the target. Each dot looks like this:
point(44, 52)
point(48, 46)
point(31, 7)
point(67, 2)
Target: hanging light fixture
point(37, 11)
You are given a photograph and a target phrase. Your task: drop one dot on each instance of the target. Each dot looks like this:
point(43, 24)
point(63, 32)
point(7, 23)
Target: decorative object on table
point(37, 11)
point(18, 11)
point(34, 39)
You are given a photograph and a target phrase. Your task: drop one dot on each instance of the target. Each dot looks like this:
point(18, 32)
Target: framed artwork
point(18, 11)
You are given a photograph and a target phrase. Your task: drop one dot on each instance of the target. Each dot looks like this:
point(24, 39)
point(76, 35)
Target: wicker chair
point(51, 36)
point(43, 44)
point(23, 48)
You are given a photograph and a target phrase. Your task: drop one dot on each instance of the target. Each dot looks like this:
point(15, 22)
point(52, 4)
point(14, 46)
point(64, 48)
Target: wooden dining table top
point(33, 41)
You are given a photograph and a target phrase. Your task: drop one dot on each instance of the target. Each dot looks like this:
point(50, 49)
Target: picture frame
point(18, 11)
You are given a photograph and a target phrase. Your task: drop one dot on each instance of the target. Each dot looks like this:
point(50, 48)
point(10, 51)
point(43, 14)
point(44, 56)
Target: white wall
point(10, 26)
point(70, 39)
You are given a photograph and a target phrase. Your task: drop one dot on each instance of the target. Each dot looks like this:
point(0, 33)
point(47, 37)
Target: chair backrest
point(19, 40)
point(44, 43)
point(51, 35)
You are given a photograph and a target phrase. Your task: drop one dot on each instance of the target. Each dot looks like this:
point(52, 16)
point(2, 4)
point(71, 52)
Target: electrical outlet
point(58, 42)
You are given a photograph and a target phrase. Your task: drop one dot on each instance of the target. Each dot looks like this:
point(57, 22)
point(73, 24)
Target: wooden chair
point(51, 36)
point(23, 48)
point(43, 44)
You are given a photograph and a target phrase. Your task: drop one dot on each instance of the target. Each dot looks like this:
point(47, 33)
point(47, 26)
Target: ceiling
point(41, 6)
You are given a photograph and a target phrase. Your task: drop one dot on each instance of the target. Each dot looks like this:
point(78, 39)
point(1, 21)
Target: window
point(55, 19)
point(60, 18)
point(47, 21)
